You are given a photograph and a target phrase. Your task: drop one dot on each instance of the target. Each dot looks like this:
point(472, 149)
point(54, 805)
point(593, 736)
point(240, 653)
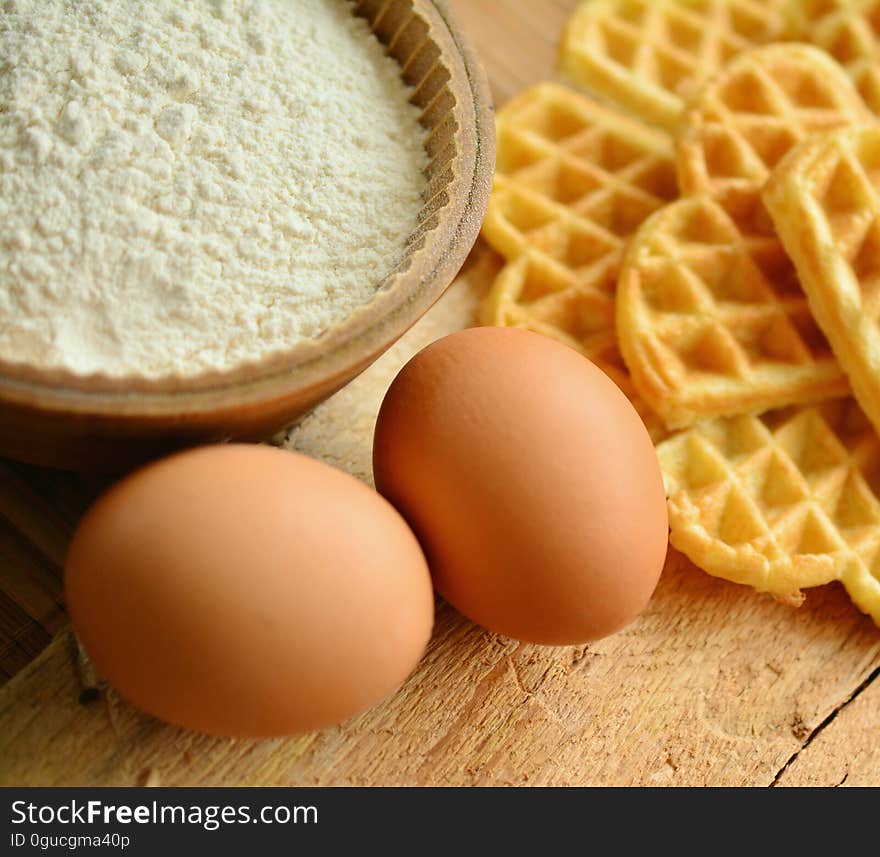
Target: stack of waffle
point(705, 226)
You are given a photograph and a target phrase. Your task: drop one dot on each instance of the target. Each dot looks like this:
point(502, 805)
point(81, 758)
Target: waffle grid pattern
point(535, 293)
point(787, 500)
point(825, 201)
point(647, 56)
point(712, 323)
point(691, 302)
point(573, 179)
point(573, 183)
point(750, 115)
point(848, 30)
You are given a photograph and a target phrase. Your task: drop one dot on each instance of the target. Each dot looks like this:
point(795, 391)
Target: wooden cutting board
point(712, 685)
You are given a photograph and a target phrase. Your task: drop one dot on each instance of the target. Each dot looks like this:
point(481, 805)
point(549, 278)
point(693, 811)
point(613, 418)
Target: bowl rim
point(344, 348)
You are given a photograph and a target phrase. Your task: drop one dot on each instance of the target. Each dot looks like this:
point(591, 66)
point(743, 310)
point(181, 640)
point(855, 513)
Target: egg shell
point(531, 482)
point(248, 591)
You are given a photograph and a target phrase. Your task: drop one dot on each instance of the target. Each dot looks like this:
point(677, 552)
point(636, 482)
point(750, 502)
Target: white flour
point(188, 185)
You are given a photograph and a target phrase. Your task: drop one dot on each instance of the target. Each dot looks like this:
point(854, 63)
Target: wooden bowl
point(99, 423)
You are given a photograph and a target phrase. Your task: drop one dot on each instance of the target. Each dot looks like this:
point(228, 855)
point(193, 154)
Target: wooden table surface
point(714, 684)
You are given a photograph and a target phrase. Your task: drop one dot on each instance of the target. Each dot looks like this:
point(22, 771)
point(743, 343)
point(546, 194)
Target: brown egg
point(530, 481)
point(244, 590)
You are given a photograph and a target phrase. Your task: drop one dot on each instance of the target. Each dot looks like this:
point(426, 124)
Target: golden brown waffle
point(825, 201)
point(713, 323)
point(849, 30)
point(538, 293)
point(647, 56)
point(573, 179)
point(751, 114)
point(780, 502)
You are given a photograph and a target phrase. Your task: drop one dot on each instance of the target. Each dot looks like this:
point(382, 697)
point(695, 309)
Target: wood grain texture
point(713, 685)
point(38, 511)
point(517, 40)
point(690, 694)
point(846, 751)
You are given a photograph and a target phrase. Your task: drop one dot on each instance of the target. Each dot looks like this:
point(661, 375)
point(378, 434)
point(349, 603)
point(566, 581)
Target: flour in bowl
point(186, 186)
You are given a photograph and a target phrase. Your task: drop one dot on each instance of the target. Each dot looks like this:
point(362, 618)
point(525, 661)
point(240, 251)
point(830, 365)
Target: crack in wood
point(823, 726)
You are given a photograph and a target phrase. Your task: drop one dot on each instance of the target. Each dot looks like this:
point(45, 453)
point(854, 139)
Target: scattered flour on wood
point(189, 185)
